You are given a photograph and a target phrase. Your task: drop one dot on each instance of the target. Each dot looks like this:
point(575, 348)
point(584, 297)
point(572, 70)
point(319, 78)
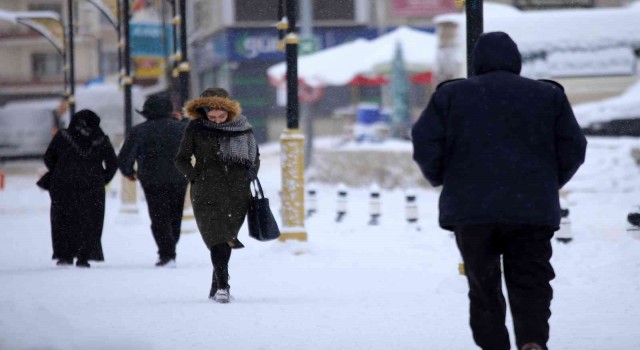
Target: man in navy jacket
point(153, 145)
point(501, 146)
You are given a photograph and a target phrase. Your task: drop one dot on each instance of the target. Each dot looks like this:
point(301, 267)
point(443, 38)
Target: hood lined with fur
point(193, 108)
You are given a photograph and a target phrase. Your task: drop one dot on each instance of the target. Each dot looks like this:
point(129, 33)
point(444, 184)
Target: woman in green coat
point(225, 149)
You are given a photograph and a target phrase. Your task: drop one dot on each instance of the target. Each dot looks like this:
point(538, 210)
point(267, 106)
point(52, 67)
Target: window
point(331, 10)
point(46, 66)
point(257, 10)
point(200, 14)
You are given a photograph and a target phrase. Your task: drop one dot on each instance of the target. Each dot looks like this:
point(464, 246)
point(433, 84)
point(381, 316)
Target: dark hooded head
point(85, 125)
point(496, 51)
point(157, 106)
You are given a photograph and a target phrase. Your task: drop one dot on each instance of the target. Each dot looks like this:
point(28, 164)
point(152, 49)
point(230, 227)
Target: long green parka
point(220, 190)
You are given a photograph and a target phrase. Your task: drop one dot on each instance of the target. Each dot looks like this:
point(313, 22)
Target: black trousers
point(526, 253)
point(220, 256)
point(165, 203)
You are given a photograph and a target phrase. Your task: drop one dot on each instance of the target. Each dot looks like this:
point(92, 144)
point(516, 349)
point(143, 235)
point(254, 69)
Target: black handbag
point(45, 181)
point(262, 224)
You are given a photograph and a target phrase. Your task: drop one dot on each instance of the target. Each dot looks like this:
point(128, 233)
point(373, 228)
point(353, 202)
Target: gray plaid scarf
point(236, 141)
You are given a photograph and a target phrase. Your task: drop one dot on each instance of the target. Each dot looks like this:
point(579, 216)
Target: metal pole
point(292, 142)
point(475, 26)
point(165, 49)
point(127, 80)
point(72, 73)
point(184, 68)
point(174, 27)
point(291, 52)
point(280, 16)
point(306, 15)
point(120, 43)
point(173, 69)
point(128, 190)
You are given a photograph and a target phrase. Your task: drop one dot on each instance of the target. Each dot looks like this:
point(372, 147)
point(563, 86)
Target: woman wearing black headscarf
point(81, 161)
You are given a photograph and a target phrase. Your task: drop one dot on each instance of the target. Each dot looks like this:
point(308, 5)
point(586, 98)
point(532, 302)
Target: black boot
point(83, 263)
point(222, 277)
point(214, 285)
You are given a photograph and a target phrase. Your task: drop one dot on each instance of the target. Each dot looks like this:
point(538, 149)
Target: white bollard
point(374, 204)
point(411, 209)
point(564, 235)
point(312, 202)
point(342, 202)
point(633, 220)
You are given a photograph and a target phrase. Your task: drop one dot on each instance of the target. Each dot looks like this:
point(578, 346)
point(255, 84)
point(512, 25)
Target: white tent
point(333, 66)
point(418, 50)
point(340, 64)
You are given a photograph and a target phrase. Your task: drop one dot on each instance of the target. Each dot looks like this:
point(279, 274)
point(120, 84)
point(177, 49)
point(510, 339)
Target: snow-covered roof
point(338, 65)
point(551, 30)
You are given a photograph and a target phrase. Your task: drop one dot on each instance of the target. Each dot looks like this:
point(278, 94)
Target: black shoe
point(222, 296)
point(166, 262)
point(65, 262)
point(83, 264)
point(235, 244)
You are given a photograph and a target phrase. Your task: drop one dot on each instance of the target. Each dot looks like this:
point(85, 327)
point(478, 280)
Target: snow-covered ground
point(351, 286)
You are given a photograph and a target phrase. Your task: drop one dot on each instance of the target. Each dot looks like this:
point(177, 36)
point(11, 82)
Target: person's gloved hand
point(251, 171)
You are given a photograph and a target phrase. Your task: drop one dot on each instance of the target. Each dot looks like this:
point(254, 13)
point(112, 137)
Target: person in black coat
point(502, 146)
point(153, 144)
point(81, 162)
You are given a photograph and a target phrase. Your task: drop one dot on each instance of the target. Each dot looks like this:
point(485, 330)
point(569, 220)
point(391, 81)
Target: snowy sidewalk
point(352, 286)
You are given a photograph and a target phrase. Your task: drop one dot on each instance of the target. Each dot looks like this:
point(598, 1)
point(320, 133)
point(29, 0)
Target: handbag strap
point(259, 193)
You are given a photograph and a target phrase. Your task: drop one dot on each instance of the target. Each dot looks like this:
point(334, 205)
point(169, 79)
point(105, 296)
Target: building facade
point(31, 67)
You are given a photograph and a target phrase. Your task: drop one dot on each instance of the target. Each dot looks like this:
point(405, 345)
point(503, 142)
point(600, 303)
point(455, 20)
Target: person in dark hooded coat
point(75, 159)
point(153, 144)
point(502, 146)
point(227, 157)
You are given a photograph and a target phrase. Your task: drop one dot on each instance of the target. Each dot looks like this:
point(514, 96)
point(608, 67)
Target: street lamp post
point(128, 192)
point(475, 27)
point(473, 9)
point(292, 141)
point(71, 53)
point(184, 69)
point(174, 33)
point(127, 80)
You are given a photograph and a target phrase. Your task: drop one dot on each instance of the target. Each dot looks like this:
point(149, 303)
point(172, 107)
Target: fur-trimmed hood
point(193, 108)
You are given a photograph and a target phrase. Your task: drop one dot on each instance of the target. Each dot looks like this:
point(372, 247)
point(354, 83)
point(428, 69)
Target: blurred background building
point(30, 67)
